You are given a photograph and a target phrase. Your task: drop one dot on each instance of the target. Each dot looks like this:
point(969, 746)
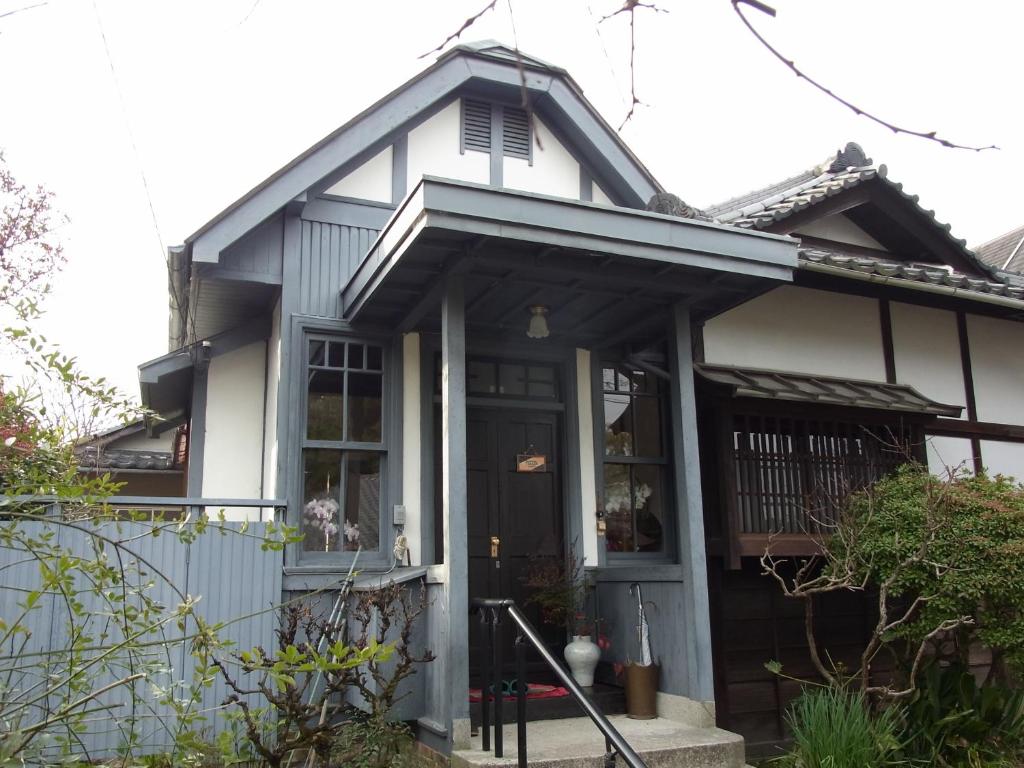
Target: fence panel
point(234, 580)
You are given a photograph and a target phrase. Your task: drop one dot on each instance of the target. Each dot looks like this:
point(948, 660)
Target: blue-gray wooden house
point(449, 289)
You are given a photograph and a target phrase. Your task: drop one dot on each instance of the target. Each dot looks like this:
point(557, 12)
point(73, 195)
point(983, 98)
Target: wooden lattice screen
point(792, 474)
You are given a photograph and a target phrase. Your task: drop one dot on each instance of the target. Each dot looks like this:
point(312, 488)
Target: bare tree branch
point(465, 25)
point(929, 135)
point(630, 6)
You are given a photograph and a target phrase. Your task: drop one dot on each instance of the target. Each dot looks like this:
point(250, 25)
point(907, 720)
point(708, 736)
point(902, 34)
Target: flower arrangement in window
point(320, 519)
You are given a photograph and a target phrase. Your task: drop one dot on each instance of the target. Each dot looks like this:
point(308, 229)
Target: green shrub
point(834, 728)
point(953, 722)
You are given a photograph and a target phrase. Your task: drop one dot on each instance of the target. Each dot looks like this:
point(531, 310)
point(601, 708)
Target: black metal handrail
point(490, 610)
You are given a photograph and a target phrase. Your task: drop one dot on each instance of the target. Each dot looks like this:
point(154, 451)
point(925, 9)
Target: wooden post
point(454, 510)
point(690, 511)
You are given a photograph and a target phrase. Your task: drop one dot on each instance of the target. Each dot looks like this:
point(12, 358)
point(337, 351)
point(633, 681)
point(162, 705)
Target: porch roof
point(607, 274)
point(824, 390)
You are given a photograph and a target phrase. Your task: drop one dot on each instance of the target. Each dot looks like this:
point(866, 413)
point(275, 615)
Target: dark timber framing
point(972, 406)
point(888, 352)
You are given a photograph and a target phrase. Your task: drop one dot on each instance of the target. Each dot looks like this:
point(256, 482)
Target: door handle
point(495, 546)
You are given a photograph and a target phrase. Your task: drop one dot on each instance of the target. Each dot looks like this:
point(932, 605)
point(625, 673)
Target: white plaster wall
point(370, 181)
point(926, 347)
point(412, 473)
point(801, 330)
point(141, 442)
point(839, 228)
point(997, 364)
point(554, 170)
point(233, 448)
point(270, 443)
point(598, 194)
point(949, 453)
point(434, 151)
point(1003, 458)
point(588, 475)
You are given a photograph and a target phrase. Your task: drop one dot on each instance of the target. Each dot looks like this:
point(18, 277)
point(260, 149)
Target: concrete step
point(577, 743)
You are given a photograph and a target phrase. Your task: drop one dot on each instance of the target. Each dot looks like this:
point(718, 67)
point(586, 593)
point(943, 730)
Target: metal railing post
point(486, 640)
point(499, 695)
point(521, 691)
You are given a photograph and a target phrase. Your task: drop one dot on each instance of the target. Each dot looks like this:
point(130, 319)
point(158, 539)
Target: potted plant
point(559, 588)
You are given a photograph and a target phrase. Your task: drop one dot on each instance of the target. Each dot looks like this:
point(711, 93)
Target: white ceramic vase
point(582, 655)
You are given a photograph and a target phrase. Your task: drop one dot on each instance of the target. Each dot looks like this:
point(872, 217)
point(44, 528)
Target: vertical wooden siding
point(229, 575)
point(329, 255)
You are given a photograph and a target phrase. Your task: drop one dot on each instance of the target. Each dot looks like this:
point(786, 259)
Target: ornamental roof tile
point(92, 458)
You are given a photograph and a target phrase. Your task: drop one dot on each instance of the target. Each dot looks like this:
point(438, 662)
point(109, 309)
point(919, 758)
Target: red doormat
point(534, 691)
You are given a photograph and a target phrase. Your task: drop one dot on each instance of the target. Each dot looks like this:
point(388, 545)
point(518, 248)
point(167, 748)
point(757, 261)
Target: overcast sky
point(218, 95)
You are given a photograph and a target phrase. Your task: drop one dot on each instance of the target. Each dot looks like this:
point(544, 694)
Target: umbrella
point(643, 629)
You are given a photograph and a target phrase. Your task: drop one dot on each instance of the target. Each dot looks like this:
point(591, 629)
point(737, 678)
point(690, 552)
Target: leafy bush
point(370, 741)
point(952, 721)
point(834, 728)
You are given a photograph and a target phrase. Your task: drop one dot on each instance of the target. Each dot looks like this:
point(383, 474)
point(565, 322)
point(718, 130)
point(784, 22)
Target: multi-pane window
point(635, 460)
point(506, 378)
point(343, 446)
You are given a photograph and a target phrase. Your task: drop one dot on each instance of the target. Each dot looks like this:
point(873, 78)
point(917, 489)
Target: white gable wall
point(434, 151)
point(233, 447)
point(554, 171)
point(997, 365)
point(370, 181)
point(270, 442)
point(926, 348)
point(840, 229)
point(800, 330)
point(599, 196)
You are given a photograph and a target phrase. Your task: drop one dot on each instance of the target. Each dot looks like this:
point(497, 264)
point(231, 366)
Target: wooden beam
point(838, 203)
point(454, 504)
point(972, 404)
point(888, 351)
point(976, 430)
point(689, 511)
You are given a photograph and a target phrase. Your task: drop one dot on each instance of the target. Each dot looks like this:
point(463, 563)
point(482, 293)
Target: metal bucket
point(642, 691)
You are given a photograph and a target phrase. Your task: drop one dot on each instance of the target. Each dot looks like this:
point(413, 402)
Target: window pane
point(647, 426)
point(482, 377)
point(323, 418)
point(364, 406)
point(618, 509)
point(511, 379)
point(618, 425)
point(317, 352)
point(336, 355)
point(374, 358)
point(540, 381)
point(355, 356)
point(649, 505)
point(321, 522)
point(608, 379)
point(362, 501)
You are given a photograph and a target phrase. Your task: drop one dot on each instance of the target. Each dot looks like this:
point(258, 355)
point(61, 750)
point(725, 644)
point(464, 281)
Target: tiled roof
point(1005, 252)
point(826, 390)
point(846, 169)
point(910, 272)
point(93, 458)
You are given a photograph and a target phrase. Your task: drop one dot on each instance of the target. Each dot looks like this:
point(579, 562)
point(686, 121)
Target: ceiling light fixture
point(538, 328)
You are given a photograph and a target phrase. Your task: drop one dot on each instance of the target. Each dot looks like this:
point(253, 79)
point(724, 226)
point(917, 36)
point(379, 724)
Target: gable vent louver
point(476, 125)
point(515, 138)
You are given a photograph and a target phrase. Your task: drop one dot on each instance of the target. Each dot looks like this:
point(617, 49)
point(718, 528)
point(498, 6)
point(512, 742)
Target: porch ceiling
point(607, 275)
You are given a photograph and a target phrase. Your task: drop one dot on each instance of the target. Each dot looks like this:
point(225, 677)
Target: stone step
point(577, 743)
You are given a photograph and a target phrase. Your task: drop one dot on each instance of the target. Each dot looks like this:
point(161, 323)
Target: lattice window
point(792, 475)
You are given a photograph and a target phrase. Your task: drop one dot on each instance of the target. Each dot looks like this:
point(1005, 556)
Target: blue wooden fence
point(229, 574)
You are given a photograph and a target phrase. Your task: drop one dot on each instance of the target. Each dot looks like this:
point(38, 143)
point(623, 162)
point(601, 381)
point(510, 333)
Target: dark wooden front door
point(521, 510)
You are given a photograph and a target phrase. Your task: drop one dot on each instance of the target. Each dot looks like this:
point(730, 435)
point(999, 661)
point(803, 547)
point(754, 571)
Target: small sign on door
point(527, 462)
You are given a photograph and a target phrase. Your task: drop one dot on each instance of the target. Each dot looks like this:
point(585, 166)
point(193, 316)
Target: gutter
point(900, 282)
